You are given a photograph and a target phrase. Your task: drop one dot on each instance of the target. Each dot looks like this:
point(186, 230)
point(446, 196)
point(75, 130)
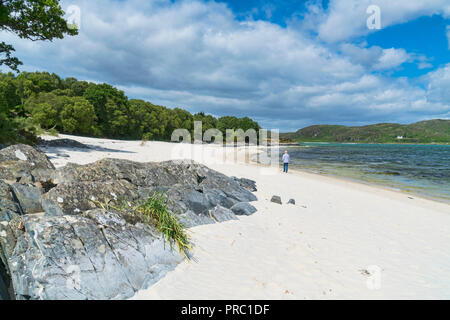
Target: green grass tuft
point(156, 213)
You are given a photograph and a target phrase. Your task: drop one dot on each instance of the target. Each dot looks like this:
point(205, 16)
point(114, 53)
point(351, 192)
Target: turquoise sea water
point(420, 169)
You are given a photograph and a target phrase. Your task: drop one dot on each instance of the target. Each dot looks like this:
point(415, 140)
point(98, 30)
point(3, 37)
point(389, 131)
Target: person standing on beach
point(286, 160)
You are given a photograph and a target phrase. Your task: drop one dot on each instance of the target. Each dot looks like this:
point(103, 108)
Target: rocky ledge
point(57, 240)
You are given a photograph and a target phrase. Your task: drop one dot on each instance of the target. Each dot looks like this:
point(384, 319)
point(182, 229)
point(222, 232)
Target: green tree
point(45, 115)
point(208, 121)
point(150, 121)
point(33, 20)
point(78, 116)
point(36, 82)
point(78, 107)
point(78, 87)
point(111, 108)
point(6, 129)
point(178, 119)
point(8, 87)
point(246, 123)
point(45, 109)
point(227, 122)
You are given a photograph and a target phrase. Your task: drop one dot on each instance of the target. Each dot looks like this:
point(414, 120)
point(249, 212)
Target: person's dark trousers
point(286, 167)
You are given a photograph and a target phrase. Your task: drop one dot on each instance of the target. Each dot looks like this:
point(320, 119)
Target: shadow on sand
point(59, 145)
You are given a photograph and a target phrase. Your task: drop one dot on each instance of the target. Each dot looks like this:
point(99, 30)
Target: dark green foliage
point(431, 131)
point(100, 110)
point(6, 58)
point(14, 128)
point(33, 20)
point(208, 121)
point(111, 108)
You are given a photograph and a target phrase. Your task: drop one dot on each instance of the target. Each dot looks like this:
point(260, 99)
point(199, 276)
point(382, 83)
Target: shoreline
point(384, 143)
point(384, 188)
point(255, 151)
point(294, 168)
point(376, 185)
point(339, 237)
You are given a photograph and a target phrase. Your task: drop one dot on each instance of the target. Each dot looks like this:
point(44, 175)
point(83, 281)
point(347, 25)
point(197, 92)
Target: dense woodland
point(31, 103)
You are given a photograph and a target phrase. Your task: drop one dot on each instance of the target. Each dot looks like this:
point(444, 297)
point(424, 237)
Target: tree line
point(34, 101)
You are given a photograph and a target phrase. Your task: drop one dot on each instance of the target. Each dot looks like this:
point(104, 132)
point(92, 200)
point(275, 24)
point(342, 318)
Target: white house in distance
point(399, 137)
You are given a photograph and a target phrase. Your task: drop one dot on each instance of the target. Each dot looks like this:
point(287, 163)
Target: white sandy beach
point(341, 240)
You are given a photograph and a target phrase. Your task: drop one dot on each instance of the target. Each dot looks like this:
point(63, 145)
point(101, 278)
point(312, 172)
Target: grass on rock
point(155, 212)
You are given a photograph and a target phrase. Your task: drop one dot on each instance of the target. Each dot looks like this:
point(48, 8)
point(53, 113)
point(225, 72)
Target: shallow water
point(420, 169)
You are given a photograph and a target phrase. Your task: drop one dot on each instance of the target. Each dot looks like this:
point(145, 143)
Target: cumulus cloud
point(377, 58)
point(198, 56)
point(345, 19)
point(439, 85)
point(391, 58)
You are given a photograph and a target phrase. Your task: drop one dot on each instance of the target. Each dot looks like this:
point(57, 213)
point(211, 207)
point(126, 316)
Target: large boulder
point(28, 197)
point(276, 199)
point(22, 162)
point(193, 189)
point(62, 143)
point(63, 236)
point(97, 255)
point(248, 184)
point(243, 209)
point(221, 214)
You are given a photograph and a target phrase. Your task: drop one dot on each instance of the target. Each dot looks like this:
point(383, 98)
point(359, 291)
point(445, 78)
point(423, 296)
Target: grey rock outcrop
point(97, 255)
point(62, 143)
point(62, 155)
point(28, 197)
point(276, 199)
point(248, 184)
point(193, 189)
point(57, 241)
point(22, 163)
point(221, 214)
point(243, 209)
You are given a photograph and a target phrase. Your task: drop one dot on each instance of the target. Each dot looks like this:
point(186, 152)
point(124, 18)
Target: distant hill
point(431, 131)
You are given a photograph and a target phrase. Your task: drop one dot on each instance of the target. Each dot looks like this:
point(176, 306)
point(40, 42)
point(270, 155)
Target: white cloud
point(377, 58)
point(438, 89)
point(345, 19)
point(198, 56)
point(391, 58)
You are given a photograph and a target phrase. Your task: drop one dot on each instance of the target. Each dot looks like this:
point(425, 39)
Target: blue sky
point(286, 63)
point(274, 11)
point(425, 35)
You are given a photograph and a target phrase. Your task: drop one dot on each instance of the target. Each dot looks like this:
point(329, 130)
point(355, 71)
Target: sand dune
point(341, 239)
